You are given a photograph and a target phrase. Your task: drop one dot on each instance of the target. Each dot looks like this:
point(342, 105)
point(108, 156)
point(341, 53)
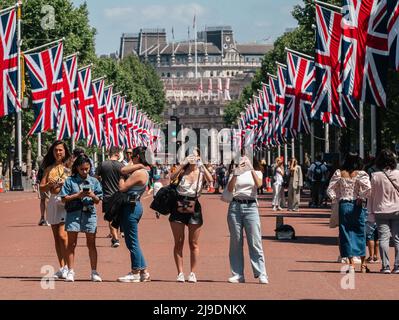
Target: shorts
point(56, 213)
point(188, 219)
point(371, 231)
point(44, 195)
point(79, 221)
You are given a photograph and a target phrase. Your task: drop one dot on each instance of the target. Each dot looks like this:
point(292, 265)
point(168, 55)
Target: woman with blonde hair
point(295, 185)
point(278, 183)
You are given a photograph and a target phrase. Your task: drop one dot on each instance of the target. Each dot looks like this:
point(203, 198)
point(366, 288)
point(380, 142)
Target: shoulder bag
point(186, 206)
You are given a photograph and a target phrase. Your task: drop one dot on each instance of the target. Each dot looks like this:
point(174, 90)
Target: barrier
point(1, 186)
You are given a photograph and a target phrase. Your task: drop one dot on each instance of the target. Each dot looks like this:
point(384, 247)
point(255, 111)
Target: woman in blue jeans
point(244, 215)
point(135, 186)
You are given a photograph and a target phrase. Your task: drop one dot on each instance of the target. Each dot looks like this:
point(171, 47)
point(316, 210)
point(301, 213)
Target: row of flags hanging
point(66, 100)
point(355, 46)
point(222, 93)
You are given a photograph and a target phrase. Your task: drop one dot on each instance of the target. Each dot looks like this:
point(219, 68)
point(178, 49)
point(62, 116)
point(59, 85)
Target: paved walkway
point(301, 269)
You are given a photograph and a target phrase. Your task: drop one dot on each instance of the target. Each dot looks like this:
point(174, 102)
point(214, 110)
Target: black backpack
point(285, 232)
point(318, 173)
point(165, 200)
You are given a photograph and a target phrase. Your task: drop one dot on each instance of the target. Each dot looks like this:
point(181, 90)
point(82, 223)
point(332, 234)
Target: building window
point(168, 74)
point(163, 74)
point(206, 111)
point(211, 73)
point(228, 73)
point(186, 111)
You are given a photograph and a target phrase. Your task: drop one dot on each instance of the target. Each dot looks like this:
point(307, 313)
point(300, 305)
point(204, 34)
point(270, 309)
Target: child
point(80, 193)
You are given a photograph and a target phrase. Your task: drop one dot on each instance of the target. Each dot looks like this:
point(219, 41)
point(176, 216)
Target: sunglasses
point(129, 152)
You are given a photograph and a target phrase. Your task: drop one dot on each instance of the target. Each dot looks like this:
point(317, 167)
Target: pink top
point(349, 188)
point(384, 198)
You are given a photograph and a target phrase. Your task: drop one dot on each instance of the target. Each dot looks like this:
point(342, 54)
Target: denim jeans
point(240, 217)
point(388, 224)
point(130, 221)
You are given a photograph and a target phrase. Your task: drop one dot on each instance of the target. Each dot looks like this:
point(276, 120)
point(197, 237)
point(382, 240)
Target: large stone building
point(200, 77)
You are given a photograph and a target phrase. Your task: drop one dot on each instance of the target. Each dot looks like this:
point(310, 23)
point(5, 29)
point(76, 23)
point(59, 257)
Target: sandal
point(365, 269)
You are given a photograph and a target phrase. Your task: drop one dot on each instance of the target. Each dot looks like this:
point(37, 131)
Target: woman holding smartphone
point(190, 177)
point(80, 193)
point(243, 215)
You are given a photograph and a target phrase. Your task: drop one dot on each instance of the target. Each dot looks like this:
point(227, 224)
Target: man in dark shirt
point(109, 173)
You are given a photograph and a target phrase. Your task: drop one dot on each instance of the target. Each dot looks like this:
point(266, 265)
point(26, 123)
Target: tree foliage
point(302, 39)
point(138, 81)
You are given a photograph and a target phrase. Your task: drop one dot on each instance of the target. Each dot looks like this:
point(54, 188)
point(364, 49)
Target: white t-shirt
point(245, 186)
point(157, 186)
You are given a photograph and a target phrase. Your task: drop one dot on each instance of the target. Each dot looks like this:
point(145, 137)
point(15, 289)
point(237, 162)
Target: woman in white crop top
point(190, 175)
point(243, 215)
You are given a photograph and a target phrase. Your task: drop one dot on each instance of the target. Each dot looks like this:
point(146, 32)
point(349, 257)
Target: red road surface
point(301, 269)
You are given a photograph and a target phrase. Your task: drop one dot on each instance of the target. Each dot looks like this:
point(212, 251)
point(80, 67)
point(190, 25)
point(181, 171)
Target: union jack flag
point(393, 32)
point(45, 73)
point(329, 104)
point(69, 100)
point(99, 111)
point(9, 102)
point(365, 50)
point(298, 93)
point(109, 138)
point(273, 112)
point(280, 86)
point(85, 118)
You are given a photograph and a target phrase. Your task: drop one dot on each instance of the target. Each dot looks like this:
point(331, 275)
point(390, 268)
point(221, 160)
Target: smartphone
point(86, 188)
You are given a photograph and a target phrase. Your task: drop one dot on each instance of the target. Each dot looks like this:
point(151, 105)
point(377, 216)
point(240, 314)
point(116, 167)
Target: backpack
point(285, 232)
point(165, 200)
point(318, 173)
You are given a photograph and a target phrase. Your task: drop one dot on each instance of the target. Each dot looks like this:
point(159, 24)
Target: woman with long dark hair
point(190, 175)
point(81, 193)
point(53, 179)
point(350, 187)
point(135, 186)
point(384, 206)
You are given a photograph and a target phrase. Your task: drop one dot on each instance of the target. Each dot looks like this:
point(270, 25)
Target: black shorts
point(187, 219)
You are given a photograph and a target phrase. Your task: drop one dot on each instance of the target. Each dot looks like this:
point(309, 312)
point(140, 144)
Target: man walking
point(317, 175)
point(109, 173)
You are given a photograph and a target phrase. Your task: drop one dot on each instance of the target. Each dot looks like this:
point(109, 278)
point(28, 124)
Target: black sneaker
point(115, 243)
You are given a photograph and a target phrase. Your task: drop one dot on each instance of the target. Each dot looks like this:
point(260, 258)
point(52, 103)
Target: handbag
point(187, 206)
point(166, 198)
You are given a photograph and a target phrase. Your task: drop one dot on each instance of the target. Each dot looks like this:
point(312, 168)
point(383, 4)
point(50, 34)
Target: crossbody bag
point(187, 206)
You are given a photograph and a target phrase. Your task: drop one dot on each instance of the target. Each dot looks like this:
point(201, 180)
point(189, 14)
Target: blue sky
point(252, 20)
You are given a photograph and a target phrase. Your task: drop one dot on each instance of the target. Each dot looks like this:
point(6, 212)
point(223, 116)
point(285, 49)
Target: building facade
point(200, 77)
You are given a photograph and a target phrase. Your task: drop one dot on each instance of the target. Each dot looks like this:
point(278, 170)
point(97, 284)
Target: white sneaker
point(237, 279)
point(70, 276)
point(279, 209)
point(274, 209)
point(130, 278)
point(357, 260)
point(95, 277)
point(62, 273)
point(180, 277)
point(192, 278)
point(145, 277)
point(263, 279)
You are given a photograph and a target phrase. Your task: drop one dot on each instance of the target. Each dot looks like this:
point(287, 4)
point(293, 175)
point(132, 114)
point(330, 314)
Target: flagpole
point(361, 130)
point(39, 144)
point(300, 149)
point(373, 131)
point(327, 138)
point(196, 48)
point(293, 148)
point(44, 46)
point(299, 54)
point(19, 114)
point(312, 147)
point(285, 155)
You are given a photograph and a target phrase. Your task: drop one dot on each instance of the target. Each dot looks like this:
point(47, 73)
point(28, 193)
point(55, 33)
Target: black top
point(110, 173)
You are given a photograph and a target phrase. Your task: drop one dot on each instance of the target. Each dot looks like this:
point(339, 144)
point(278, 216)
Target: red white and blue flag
point(107, 137)
point(393, 33)
point(85, 116)
point(329, 104)
point(99, 111)
point(298, 93)
point(69, 100)
point(365, 50)
point(45, 72)
point(9, 102)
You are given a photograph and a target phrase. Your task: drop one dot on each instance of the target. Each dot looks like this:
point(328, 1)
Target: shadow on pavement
point(298, 215)
point(328, 241)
